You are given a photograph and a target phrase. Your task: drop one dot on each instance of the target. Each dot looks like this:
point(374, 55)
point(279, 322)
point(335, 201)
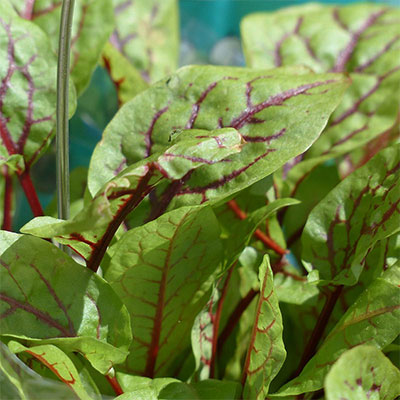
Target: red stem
point(319, 329)
point(8, 190)
point(115, 385)
point(217, 319)
point(235, 316)
point(258, 233)
point(28, 13)
point(30, 193)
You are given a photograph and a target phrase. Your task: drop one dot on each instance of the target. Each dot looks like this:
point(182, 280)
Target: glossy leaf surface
point(161, 271)
point(46, 295)
point(372, 319)
point(147, 34)
point(362, 373)
point(90, 232)
point(266, 352)
point(58, 362)
point(361, 210)
point(279, 116)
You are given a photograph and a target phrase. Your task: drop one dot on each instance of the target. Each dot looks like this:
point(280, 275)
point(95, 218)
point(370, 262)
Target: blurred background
point(209, 31)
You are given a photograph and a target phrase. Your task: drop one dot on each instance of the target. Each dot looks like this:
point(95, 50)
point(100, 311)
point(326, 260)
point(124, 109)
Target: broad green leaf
point(27, 90)
point(20, 382)
point(357, 37)
point(361, 39)
point(205, 390)
point(58, 362)
point(125, 77)
point(141, 388)
point(266, 352)
point(48, 298)
point(371, 319)
point(163, 272)
point(90, 232)
point(209, 97)
point(147, 34)
point(346, 224)
point(92, 25)
point(362, 373)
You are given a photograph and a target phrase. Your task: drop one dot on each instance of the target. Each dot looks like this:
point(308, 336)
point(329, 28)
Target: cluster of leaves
point(238, 232)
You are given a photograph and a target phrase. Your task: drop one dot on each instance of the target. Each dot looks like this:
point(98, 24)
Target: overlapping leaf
point(27, 90)
point(372, 319)
point(266, 352)
point(360, 39)
point(362, 373)
point(162, 272)
point(361, 210)
point(92, 26)
point(20, 382)
point(46, 295)
point(279, 116)
point(147, 34)
point(58, 362)
point(89, 233)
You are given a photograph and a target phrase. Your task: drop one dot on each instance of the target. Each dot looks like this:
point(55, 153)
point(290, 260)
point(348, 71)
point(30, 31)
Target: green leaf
point(209, 97)
point(147, 34)
point(372, 319)
point(163, 272)
point(361, 39)
point(91, 27)
point(27, 90)
point(48, 298)
point(89, 233)
point(127, 80)
point(362, 373)
point(20, 382)
point(58, 362)
point(141, 388)
point(266, 352)
point(205, 390)
point(357, 37)
point(7, 239)
point(346, 224)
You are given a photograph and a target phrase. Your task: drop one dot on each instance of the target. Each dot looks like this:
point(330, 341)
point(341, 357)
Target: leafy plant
point(237, 234)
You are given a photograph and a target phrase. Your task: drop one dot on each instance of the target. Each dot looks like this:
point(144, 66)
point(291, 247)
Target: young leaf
point(46, 295)
point(162, 271)
point(90, 232)
point(372, 318)
point(20, 382)
point(127, 80)
point(58, 362)
point(147, 34)
point(266, 352)
point(27, 90)
point(361, 210)
point(92, 26)
point(279, 116)
point(362, 373)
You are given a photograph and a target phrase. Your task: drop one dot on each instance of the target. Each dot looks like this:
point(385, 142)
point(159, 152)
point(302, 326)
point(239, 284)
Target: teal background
point(202, 23)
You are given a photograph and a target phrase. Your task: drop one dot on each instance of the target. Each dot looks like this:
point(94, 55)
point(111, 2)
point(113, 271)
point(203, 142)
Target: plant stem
point(28, 9)
point(319, 328)
point(7, 220)
point(232, 204)
point(217, 319)
point(30, 193)
point(115, 385)
point(235, 317)
point(62, 137)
